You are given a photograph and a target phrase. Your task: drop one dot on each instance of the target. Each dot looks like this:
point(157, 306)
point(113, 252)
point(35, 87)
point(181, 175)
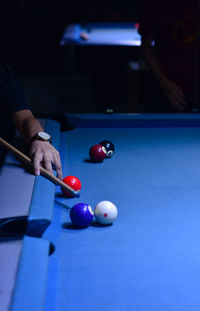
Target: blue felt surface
point(149, 259)
point(30, 286)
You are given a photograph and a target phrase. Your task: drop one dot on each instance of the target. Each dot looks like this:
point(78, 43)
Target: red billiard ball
point(137, 25)
point(81, 215)
point(72, 182)
point(97, 153)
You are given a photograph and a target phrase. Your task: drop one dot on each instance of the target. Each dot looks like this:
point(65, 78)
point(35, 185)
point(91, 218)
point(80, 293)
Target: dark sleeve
point(12, 96)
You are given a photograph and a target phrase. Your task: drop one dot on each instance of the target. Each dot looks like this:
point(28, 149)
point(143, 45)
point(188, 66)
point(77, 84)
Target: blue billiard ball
point(81, 215)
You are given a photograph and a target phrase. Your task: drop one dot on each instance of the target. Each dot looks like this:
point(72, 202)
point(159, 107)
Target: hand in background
point(174, 95)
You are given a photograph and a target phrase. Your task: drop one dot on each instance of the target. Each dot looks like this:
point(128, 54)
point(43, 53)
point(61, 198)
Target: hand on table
point(174, 95)
point(43, 153)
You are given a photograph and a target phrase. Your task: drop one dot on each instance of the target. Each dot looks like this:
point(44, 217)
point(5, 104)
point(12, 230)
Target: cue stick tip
point(76, 194)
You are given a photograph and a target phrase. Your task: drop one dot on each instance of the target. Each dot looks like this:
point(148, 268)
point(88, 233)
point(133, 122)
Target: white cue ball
point(105, 212)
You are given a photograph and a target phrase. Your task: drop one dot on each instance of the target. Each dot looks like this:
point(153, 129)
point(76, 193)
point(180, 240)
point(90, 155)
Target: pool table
point(107, 43)
point(112, 58)
point(148, 260)
point(113, 34)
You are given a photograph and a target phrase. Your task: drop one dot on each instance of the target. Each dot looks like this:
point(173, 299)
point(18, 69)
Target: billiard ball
point(72, 182)
point(109, 147)
point(105, 212)
point(97, 153)
point(137, 26)
point(81, 215)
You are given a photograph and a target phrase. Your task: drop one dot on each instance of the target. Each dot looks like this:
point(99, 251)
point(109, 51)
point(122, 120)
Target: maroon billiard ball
point(97, 153)
point(72, 182)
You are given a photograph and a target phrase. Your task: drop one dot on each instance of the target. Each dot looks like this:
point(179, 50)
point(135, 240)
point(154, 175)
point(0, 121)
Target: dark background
point(30, 32)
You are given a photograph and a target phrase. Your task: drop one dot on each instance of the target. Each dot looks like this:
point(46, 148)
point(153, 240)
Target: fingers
point(46, 163)
point(37, 159)
point(176, 103)
point(58, 167)
point(180, 97)
point(42, 153)
point(55, 160)
point(177, 98)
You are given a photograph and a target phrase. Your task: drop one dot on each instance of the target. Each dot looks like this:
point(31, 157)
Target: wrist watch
point(42, 136)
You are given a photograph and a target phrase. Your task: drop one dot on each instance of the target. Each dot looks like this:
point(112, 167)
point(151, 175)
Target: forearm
point(173, 92)
point(153, 62)
point(26, 124)
point(42, 153)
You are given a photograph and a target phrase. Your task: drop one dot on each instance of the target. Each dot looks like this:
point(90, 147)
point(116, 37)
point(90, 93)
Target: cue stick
point(43, 171)
point(196, 58)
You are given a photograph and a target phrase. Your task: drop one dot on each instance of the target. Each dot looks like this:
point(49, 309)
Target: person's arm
point(173, 92)
point(42, 153)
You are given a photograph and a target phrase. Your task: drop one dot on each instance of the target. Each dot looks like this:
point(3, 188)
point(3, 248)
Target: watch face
point(44, 135)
